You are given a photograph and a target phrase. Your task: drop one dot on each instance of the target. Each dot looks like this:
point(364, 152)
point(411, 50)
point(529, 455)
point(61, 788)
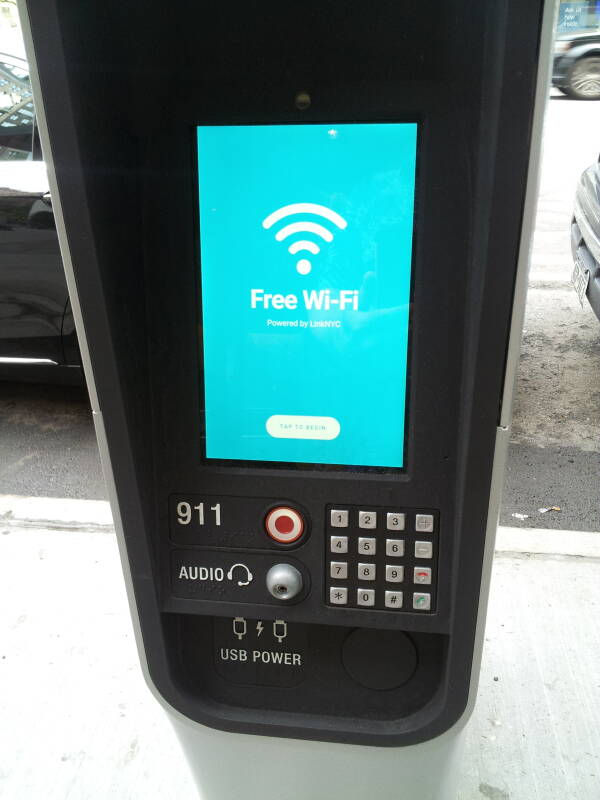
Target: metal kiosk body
point(296, 239)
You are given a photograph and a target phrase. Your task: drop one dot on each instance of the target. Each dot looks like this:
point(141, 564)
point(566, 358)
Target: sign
point(573, 17)
point(306, 235)
point(260, 652)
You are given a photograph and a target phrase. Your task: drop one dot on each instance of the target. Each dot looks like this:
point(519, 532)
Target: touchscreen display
point(306, 235)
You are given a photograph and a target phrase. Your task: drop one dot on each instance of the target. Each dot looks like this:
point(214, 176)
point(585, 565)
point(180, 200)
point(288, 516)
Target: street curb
point(54, 513)
point(547, 541)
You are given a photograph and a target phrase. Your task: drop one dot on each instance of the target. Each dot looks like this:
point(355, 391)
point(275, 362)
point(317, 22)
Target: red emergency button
point(284, 525)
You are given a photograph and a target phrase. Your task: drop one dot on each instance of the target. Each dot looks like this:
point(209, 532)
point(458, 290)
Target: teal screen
point(306, 236)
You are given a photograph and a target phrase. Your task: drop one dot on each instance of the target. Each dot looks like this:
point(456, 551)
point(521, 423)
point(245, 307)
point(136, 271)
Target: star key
point(338, 595)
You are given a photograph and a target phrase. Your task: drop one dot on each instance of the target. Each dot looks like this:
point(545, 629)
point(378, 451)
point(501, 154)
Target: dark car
point(576, 69)
point(37, 335)
point(585, 237)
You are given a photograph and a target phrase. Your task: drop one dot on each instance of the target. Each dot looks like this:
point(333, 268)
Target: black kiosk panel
point(294, 233)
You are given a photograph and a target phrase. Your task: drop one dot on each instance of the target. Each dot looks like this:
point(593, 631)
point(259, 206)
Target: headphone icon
point(249, 575)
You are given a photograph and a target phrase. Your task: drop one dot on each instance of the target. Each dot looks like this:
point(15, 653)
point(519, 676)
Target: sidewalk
point(77, 722)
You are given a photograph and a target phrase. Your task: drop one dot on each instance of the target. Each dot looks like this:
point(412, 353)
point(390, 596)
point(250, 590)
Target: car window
point(17, 117)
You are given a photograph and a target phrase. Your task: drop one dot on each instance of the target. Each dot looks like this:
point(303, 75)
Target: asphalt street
point(554, 457)
point(47, 441)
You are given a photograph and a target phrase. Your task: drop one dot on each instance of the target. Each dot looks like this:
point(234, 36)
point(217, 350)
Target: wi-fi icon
point(303, 265)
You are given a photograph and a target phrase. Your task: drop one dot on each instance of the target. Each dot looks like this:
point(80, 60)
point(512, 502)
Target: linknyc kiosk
point(296, 240)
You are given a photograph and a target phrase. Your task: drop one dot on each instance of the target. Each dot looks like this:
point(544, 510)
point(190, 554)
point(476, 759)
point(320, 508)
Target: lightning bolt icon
point(259, 629)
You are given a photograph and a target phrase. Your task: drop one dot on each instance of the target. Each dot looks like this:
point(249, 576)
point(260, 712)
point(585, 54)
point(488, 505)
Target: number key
point(367, 546)
point(394, 547)
point(394, 573)
point(366, 572)
point(365, 597)
point(338, 569)
point(338, 518)
point(367, 519)
point(395, 522)
point(339, 544)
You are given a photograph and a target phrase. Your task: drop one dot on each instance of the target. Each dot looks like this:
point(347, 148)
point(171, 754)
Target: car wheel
point(584, 79)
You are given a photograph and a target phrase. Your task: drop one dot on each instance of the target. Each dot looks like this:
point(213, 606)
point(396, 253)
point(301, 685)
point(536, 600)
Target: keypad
point(385, 560)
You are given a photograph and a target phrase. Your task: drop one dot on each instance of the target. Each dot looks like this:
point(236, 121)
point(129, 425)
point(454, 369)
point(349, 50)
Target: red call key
point(422, 575)
point(285, 525)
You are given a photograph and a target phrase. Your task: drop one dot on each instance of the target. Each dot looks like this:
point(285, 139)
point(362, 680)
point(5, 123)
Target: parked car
point(37, 334)
point(576, 69)
point(585, 237)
